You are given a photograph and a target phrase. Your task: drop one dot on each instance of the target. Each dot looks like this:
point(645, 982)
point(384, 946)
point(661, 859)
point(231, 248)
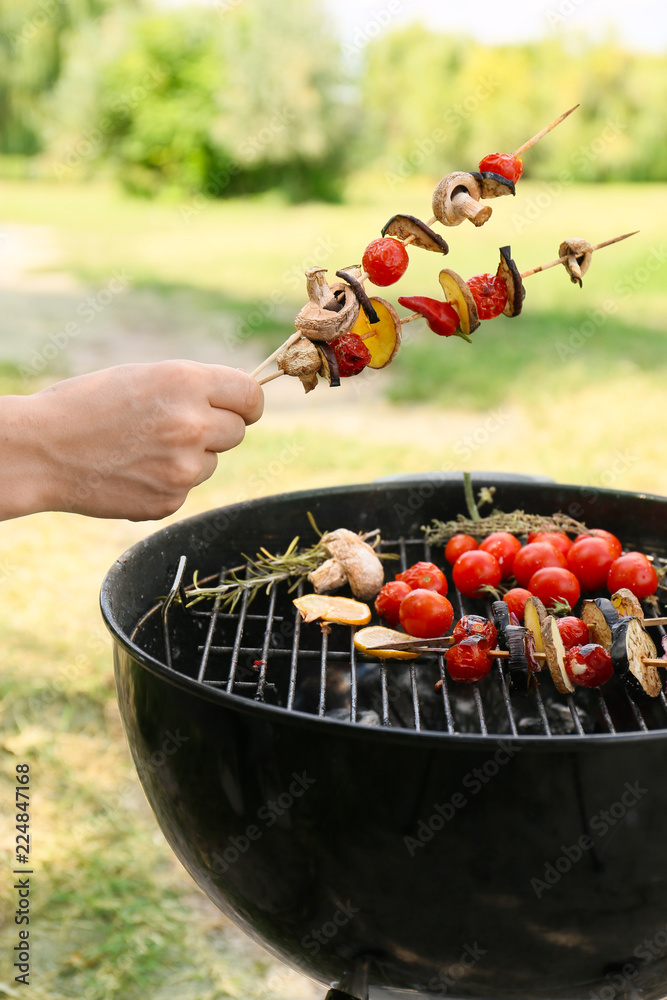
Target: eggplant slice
point(631, 645)
point(494, 185)
point(404, 226)
point(510, 275)
point(600, 615)
point(555, 653)
point(362, 297)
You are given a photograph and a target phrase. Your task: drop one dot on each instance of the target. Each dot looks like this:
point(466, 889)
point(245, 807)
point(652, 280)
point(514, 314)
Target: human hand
point(127, 442)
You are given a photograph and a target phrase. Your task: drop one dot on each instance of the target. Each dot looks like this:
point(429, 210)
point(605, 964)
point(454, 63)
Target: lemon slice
point(378, 635)
point(342, 610)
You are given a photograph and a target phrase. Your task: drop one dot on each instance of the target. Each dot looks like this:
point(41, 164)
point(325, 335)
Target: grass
point(115, 916)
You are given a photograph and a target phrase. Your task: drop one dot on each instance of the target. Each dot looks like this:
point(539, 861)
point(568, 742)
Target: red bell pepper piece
point(442, 317)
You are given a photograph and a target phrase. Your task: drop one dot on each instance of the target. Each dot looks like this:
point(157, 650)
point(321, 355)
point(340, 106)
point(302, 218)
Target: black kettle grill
point(485, 841)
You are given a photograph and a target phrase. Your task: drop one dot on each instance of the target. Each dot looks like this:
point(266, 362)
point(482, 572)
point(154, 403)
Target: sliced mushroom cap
point(457, 198)
point(579, 254)
point(301, 358)
point(494, 185)
point(362, 566)
point(405, 226)
point(554, 651)
point(509, 272)
point(631, 645)
point(330, 575)
point(331, 309)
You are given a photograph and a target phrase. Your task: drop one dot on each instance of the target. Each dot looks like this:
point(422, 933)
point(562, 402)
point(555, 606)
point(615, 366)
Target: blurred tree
point(439, 102)
point(34, 37)
point(237, 99)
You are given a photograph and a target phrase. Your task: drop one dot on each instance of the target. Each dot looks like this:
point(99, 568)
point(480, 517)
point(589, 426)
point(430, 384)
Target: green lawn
point(115, 917)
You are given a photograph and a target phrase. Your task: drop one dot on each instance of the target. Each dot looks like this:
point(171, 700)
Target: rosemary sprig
point(264, 571)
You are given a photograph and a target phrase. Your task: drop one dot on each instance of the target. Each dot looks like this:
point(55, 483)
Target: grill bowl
point(500, 896)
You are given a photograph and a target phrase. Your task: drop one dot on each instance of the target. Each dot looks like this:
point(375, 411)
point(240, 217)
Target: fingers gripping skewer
point(562, 260)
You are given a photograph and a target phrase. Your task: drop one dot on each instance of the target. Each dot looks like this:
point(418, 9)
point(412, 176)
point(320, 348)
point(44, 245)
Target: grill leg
point(353, 986)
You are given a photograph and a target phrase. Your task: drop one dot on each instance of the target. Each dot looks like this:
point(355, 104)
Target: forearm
point(24, 474)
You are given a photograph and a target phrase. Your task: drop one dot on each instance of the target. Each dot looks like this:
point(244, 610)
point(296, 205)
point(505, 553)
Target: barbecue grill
point(491, 840)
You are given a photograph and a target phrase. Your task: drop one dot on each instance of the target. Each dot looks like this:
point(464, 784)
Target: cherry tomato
point(615, 546)
point(475, 569)
point(389, 600)
point(504, 164)
point(504, 547)
point(385, 260)
point(554, 584)
point(556, 538)
point(516, 600)
point(589, 665)
point(490, 294)
point(475, 625)
point(634, 571)
point(351, 353)
point(469, 660)
point(589, 559)
point(424, 576)
point(457, 545)
point(534, 556)
point(573, 631)
point(426, 614)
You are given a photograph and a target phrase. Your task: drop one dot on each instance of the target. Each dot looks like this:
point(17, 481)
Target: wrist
point(24, 478)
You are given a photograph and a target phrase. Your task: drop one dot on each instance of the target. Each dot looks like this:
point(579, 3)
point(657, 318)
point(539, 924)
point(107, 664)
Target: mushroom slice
point(457, 197)
point(626, 603)
point(600, 615)
point(331, 309)
point(300, 358)
point(494, 185)
point(554, 651)
point(383, 338)
point(377, 635)
point(533, 616)
point(509, 272)
point(341, 610)
point(457, 292)
point(364, 569)
point(579, 254)
point(631, 645)
point(421, 235)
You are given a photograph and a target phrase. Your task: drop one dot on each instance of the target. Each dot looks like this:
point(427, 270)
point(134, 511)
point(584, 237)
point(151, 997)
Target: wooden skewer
point(290, 340)
point(269, 378)
point(655, 621)
point(409, 319)
point(561, 260)
point(411, 239)
point(543, 132)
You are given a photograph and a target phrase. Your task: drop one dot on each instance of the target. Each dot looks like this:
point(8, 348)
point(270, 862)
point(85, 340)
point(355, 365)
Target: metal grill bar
point(400, 696)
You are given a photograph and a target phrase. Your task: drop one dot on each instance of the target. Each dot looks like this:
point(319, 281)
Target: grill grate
point(264, 652)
